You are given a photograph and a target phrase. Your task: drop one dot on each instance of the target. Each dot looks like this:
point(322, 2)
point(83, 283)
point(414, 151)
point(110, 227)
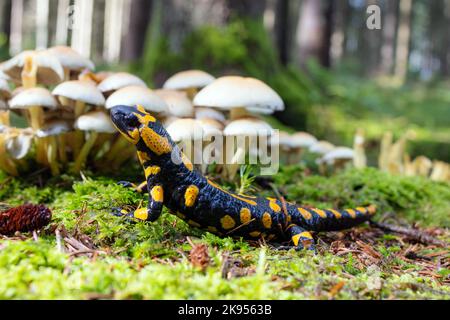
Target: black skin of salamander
point(212, 203)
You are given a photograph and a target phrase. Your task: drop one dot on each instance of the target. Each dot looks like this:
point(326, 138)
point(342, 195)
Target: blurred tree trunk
point(5, 14)
point(389, 28)
point(438, 22)
point(246, 8)
point(314, 31)
point(282, 29)
point(340, 16)
point(371, 40)
point(134, 41)
point(403, 38)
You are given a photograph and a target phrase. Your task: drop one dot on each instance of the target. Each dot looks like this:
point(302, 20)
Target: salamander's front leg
point(140, 188)
point(300, 238)
point(151, 212)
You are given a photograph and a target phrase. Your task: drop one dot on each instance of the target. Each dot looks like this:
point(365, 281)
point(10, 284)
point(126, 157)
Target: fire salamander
point(171, 181)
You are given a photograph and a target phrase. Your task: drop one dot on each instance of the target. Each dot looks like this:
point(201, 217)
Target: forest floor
point(86, 253)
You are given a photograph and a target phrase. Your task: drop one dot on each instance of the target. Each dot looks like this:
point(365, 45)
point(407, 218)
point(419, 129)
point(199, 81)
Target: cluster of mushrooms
point(65, 105)
point(394, 159)
point(55, 107)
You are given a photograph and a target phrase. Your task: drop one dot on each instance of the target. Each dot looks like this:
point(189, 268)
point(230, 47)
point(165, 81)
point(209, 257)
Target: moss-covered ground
point(86, 253)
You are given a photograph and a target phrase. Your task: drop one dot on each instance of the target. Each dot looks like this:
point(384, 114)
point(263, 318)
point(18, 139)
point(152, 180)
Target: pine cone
point(27, 217)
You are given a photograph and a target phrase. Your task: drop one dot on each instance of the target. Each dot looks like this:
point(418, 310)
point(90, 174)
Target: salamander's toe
point(126, 184)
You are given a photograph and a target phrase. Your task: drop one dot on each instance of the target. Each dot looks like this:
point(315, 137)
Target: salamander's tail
point(331, 220)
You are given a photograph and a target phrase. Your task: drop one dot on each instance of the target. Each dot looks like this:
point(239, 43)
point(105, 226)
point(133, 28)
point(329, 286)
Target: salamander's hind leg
point(300, 238)
point(140, 188)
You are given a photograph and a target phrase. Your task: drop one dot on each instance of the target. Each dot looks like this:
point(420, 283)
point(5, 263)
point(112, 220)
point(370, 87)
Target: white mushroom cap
point(53, 128)
point(282, 138)
point(208, 113)
point(50, 70)
point(185, 129)
point(70, 58)
point(236, 92)
point(33, 97)
point(188, 79)
point(120, 80)
point(338, 153)
point(5, 92)
point(81, 91)
point(177, 102)
point(321, 147)
point(302, 140)
point(97, 121)
point(135, 95)
point(248, 127)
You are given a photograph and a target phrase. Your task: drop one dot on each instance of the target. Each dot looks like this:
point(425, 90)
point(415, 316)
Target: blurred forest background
point(334, 73)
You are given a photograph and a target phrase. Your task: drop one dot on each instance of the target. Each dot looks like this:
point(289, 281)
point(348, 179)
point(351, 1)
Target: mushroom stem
point(191, 92)
point(4, 118)
point(82, 156)
point(52, 155)
point(62, 148)
point(122, 157)
point(66, 74)
point(80, 107)
point(119, 145)
point(236, 113)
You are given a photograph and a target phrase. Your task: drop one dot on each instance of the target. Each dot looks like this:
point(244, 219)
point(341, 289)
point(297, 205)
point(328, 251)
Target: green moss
point(150, 260)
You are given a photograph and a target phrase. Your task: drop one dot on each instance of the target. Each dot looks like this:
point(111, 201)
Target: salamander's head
point(130, 120)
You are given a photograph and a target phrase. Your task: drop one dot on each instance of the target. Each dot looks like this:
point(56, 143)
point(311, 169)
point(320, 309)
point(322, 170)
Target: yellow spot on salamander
point(212, 229)
point(215, 185)
point(151, 170)
point(255, 234)
point(190, 195)
point(321, 213)
point(227, 222)
point(157, 194)
point(351, 212)
point(271, 199)
point(305, 213)
point(132, 136)
point(143, 156)
point(336, 213)
point(141, 214)
point(156, 143)
point(141, 108)
point(245, 215)
point(372, 209)
point(187, 163)
point(123, 211)
point(144, 119)
point(267, 220)
point(194, 224)
point(295, 239)
point(361, 209)
point(306, 234)
point(274, 206)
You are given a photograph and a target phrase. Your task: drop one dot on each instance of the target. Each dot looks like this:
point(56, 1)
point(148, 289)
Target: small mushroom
point(32, 67)
point(239, 95)
point(440, 172)
point(244, 131)
point(212, 130)
point(75, 96)
point(338, 157)
point(72, 62)
point(34, 100)
point(422, 166)
point(189, 81)
point(92, 122)
point(300, 141)
point(118, 81)
point(321, 147)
